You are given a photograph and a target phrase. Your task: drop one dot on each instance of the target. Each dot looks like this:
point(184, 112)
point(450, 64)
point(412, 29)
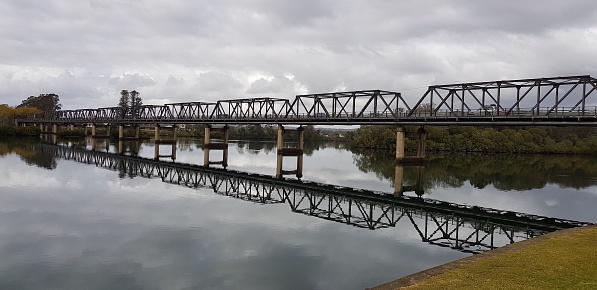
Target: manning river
point(79, 215)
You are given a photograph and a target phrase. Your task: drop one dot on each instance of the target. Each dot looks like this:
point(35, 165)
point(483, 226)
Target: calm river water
point(68, 224)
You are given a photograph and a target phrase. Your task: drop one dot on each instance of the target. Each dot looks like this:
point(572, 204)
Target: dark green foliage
point(19, 131)
point(492, 140)
point(43, 102)
point(77, 132)
point(502, 171)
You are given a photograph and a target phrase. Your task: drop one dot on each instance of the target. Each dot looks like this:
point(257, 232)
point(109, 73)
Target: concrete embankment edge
point(426, 274)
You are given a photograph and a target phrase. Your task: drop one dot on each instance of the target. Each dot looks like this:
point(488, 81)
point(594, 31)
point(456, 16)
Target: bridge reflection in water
point(464, 228)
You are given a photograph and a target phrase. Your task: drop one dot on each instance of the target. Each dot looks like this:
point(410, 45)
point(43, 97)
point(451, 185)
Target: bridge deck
point(559, 101)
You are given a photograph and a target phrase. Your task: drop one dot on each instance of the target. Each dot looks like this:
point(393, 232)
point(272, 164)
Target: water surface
point(71, 225)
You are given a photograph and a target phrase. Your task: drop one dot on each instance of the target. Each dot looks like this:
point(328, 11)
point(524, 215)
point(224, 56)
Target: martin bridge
point(463, 228)
point(554, 101)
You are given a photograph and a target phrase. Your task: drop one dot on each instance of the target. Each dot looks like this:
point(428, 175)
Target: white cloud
point(88, 51)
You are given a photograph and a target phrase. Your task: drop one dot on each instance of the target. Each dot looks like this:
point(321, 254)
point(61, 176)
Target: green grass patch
point(561, 262)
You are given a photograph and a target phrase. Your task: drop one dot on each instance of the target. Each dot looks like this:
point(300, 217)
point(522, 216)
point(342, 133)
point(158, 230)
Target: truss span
point(560, 101)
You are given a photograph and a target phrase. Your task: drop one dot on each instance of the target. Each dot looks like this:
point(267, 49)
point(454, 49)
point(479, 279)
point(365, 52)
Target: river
point(68, 224)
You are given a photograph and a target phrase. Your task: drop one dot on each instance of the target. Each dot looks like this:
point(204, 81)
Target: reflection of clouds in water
point(29, 177)
point(552, 202)
point(168, 235)
point(105, 237)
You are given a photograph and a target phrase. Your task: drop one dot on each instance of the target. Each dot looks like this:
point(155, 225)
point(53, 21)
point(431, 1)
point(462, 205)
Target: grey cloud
point(217, 81)
point(276, 85)
point(132, 81)
point(323, 44)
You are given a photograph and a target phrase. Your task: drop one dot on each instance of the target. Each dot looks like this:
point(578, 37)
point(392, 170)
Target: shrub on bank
point(19, 131)
point(77, 132)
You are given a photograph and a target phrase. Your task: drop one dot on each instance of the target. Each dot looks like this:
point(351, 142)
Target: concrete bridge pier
point(399, 180)
point(94, 133)
point(288, 151)
point(121, 133)
point(400, 138)
point(49, 139)
point(158, 141)
point(400, 188)
point(209, 145)
point(400, 146)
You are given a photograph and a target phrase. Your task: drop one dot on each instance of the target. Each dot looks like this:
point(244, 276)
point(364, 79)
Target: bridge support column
point(209, 145)
point(422, 143)
point(399, 180)
point(283, 152)
point(120, 132)
point(137, 132)
point(108, 131)
point(400, 133)
point(71, 127)
point(120, 147)
point(158, 141)
point(93, 130)
point(54, 129)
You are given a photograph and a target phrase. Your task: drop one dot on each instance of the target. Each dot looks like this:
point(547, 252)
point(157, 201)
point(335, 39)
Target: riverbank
point(560, 260)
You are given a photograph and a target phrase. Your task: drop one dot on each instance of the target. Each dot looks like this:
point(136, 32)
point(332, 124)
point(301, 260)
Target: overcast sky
point(176, 50)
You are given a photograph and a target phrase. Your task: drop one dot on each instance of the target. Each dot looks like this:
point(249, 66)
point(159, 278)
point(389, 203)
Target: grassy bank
point(561, 260)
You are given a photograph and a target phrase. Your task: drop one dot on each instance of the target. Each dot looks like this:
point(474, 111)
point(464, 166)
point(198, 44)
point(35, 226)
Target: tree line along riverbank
point(543, 140)
point(550, 140)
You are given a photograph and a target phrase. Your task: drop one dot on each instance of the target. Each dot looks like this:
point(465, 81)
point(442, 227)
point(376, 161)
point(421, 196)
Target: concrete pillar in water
point(93, 130)
point(41, 127)
point(108, 130)
point(120, 132)
point(422, 143)
point(299, 159)
point(301, 138)
point(225, 133)
point(120, 147)
point(225, 158)
point(173, 155)
point(419, 187)
point(398, 180)
point(280, 144)
point(207, 135)
point(400, 144)
point(279, 165)
point(174, 133)
point(85, 130)
point(71, 127)
point(205, 156)
point(54, 129)
point(137, 132)
point(157, 134)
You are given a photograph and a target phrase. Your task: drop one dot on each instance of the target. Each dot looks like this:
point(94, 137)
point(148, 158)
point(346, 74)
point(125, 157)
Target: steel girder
point(555, 97)
point(460, 227)
point(346, 105)
point(558, 101)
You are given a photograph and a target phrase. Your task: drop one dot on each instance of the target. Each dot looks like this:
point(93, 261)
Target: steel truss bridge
point(464, 228)
point(555, 101)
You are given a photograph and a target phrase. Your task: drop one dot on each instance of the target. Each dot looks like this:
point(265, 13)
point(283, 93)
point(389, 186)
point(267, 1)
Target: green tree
point(44, 102)
point(136, 103)
point(123, 103)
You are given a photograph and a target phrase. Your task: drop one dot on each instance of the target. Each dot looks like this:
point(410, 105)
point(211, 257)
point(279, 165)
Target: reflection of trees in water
point(27, 150)
point(256, 147)
point(504, 172)
point(186, 144)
